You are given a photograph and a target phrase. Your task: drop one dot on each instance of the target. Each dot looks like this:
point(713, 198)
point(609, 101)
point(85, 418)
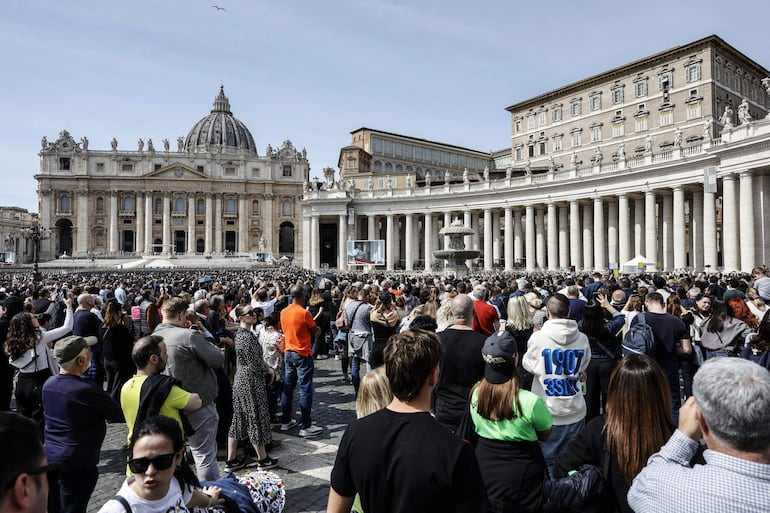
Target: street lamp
point(36, 233)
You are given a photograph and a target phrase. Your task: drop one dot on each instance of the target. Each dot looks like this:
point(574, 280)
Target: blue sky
point(312, 71)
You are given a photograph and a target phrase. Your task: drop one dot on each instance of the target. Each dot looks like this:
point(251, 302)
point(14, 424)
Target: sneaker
point(322, 357)
point(289, 425)
point(236, 464)
point(336, 357)
point(310, 431)
point(267, 463)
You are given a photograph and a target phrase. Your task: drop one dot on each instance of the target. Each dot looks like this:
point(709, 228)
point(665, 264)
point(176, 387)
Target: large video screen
point(366, 252)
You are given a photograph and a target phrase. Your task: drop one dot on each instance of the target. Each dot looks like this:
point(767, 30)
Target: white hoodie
point(556, 355)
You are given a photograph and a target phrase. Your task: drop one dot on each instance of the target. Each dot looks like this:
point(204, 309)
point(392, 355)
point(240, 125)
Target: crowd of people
point(500, 386)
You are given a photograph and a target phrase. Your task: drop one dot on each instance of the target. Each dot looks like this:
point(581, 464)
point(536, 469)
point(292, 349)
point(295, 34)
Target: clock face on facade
point(178, 171)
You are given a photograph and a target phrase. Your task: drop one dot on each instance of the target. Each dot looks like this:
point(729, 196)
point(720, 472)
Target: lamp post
point(36, 233)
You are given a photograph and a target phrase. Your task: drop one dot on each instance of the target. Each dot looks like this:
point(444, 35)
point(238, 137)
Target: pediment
point(176, 171)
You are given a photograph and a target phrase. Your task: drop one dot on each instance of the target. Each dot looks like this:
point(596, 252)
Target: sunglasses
point(45, 469)
point(250, 312)
point(160, 462)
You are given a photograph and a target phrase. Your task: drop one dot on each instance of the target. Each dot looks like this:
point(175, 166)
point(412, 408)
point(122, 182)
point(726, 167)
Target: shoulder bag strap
point(122, 500)
point(352, 318)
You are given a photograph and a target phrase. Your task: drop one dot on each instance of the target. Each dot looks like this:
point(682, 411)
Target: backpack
point(640, 338)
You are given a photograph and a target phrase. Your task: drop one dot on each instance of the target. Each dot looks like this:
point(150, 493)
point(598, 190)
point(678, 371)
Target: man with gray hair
point(462, 365)
point(485, 318)
point(730, 409)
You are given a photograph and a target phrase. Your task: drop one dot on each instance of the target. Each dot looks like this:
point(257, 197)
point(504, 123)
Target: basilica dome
point(220, 129)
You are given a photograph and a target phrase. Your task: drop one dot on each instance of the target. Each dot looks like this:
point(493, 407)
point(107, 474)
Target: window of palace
point(530, 121)
point(640, 86)
point(595, 100)
point(230, 206)
point(230, 170)
point(692, 70)
point(617, 93)
point(201, 208)
point(516, 128)
point(577, 137)
point(377, 167)
point(541, 118)
point(596, 132)
point(575, 107)
point(100, 167)
point(158, 206)
point(64, 203)
point(127, 168)
point(665, 78)
point(666, 115)
point(350, 163)
point(179, 204)
point(99, 205)
point(517, 153)
point(128, 204)
point(556, 112)
point(156, 167)
point(558, 141)
point(64, 164)
point(200, 169)
point(287, 171)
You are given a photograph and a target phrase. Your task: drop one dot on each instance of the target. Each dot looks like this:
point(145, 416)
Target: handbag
point(581, 491)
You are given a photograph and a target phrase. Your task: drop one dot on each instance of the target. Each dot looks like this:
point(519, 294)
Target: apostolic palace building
point(664, 161)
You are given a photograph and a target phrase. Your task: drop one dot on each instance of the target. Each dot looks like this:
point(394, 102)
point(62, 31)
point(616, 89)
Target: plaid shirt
point(725, 484)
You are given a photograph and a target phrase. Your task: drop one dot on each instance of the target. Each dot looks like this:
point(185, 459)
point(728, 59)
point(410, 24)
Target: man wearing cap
point(462, 365)
point(75, 413)
point(9, 307)
point(23, 473)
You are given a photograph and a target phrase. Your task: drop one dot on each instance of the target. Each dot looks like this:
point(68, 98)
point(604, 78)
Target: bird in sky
point(218, 8)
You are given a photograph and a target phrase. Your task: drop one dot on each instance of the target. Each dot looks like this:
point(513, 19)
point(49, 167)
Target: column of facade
point(243, 224)
point(409, 242)
point(553, 240)
point(342, 242)
point(588, 236)
point(730, 228)
point(447, 222)
point(191, 224)
point(82, 246)
point(496, 237)
point(650, 227)
point(639, 238)
point(389, 242)
point(266, 216)
point(209, 230)
point(508, 239)
point(574, 234)
point(397, 238)
point(113, 232)
point(563, 236)
point(218, 224)
point(710, 249)
point(529, 234)
point(624, 250)
point(747, 218)
point(139, 205)
point(600, 259)
point(488, 240)
point(696, 230)
point(371, 226)
point(428, 232)
point(148, 215)
point(306, 258)
point(667, 233)
point(680, 251)
point(315, 243)
point(167, 243)
point(467, 222)
point(518, 241)
point(612, 233)
point(540, 261)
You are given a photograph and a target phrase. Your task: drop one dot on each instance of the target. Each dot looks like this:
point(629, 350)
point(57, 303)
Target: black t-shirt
point(407, 462)
point(461, 368)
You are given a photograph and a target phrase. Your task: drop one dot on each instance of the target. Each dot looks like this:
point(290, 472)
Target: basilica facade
point(664, 162)
point(210, 195)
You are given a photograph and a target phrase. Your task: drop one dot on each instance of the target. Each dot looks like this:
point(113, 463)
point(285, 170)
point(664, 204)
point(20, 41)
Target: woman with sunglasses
point(251, 415)
point(162, 480)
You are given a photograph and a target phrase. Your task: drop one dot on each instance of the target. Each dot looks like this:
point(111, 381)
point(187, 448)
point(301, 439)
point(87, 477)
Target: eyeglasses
point(160, 462)
point(45, 469)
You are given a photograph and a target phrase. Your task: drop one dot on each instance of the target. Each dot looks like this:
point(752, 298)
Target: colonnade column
point(148, 215)
point(389, 242)
point(342, 242)
point(218, 224)
point(529, 233)
point(553, 240)
point(518, 244)
point(563, 236)
point(710, 250)
point(746, 212)
point(624, 253)
point(496, 237)
point(409, 242)
point(600, 259)
point(191, 224)
point(667, 233)
point(574, 234)
point(639, 236)
point(468, 239)
point(307, 262)
point(508, 239)
point(371, 225)
point(209, 228)
point(428, 232)
point(447, 222)
point(588, 236)
point(650, 227)
point(612, 233)
point(696, 231)
point(540, 262)
point(315, 243)
point(680, 252)
point(113, 233)
point(730, 236)
point(139, 204)
point(488, 242)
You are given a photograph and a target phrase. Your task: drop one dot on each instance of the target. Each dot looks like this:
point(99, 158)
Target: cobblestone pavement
point(304, 464)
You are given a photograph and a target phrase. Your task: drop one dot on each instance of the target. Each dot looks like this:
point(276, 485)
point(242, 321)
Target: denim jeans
point(298, 369)
point(69, 491)
point(560, 438)
point(355, 371)
point(719, 353)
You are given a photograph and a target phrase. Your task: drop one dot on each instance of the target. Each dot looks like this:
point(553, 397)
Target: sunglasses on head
point(160, 462)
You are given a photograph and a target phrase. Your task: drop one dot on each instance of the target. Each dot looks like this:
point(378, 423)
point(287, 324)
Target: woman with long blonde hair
point(635, 425)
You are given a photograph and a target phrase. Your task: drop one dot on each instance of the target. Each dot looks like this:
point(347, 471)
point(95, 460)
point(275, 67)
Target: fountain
point(456, 255)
